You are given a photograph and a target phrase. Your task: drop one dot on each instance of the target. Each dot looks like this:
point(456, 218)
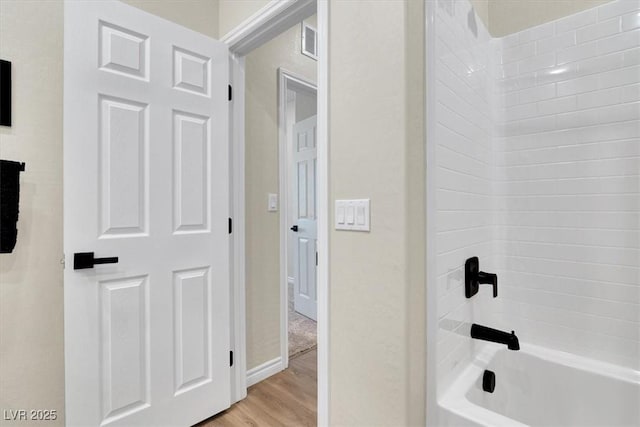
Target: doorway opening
point(254, 150)
point(297, 134)
point(280, 106)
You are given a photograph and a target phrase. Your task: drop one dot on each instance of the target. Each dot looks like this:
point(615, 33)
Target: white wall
point(481, 7)
point(233, 12)
point(464, 178)
point(567, 153)
point(510, 16)
point(31, 326)
point(198, 15)
point(376, 143)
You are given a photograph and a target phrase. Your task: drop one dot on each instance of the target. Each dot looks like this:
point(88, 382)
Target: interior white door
point(146, 179)
point(305, 228)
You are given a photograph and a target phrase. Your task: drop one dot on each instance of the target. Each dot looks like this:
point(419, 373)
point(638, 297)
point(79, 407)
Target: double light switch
point(352, 215)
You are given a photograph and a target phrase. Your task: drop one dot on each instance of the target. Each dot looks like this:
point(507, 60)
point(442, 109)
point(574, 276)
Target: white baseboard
point(264, 371)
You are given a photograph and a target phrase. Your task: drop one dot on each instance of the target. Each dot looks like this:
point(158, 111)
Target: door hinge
point(231, 358)
point(230, 226)
point(316, 258)
point(230, 93)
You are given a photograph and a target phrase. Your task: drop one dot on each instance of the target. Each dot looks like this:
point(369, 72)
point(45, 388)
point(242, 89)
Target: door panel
point(303, 172)
point(125, 349)
point(304, 157)
point(191, 71)
point(146, 179)
point(122, 166)
point(191, 172)
point(123, 51)
point(192, 344)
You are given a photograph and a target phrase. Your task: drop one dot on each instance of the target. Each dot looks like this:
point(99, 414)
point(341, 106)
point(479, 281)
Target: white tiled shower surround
point(464, 176)
point(567, 184)
point(549, 196)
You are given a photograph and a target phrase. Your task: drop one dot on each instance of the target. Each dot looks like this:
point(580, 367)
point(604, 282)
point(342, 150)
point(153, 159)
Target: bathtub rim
point(455, 399)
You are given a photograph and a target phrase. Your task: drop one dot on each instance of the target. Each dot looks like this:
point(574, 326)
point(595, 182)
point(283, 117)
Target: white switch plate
point(272, 202)
point(352, 215)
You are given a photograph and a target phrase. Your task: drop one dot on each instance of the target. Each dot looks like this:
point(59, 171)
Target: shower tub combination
point(533, 159)
point(537, 386)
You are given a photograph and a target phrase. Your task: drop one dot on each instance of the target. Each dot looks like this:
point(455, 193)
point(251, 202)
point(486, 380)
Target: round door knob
point(294, 228)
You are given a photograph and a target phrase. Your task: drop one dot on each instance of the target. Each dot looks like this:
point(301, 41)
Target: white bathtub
point(537, 386)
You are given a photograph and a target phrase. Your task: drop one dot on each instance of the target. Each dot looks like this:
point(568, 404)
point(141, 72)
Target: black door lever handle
point(82, 260)
point(294, 228)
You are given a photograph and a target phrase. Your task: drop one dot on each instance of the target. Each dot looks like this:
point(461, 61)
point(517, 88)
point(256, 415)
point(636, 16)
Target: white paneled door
point(305, 218)
point(146, 180)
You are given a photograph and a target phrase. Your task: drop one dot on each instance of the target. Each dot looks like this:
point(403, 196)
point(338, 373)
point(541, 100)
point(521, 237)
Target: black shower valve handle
point(473, 278)
point(489, 279)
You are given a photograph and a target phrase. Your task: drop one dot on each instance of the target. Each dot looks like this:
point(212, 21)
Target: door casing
point(276, 17)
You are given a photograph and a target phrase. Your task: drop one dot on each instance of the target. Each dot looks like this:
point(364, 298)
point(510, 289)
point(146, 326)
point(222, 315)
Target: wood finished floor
point(288, 398)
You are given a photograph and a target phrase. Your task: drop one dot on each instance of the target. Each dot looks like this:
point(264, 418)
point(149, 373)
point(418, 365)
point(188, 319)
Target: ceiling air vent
point(309, 41)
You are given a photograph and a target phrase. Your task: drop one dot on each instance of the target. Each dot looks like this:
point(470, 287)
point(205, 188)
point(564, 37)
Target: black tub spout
point(494, 335)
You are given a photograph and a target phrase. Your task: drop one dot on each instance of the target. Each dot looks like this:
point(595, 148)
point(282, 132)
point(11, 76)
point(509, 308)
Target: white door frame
point(285, 80)
point(431, 296)
point(276, 17)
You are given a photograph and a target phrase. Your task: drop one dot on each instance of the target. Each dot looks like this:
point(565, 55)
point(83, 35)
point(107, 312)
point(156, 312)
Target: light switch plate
point(352, 215)
point(272, 203)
